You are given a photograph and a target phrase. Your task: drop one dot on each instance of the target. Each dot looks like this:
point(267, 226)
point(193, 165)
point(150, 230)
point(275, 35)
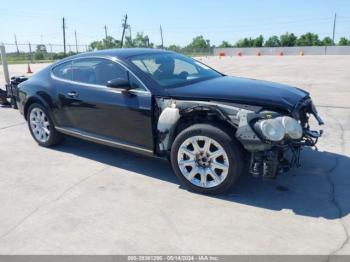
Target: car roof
point(121, 53)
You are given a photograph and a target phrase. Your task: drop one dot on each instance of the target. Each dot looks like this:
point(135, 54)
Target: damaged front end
point(273, 139)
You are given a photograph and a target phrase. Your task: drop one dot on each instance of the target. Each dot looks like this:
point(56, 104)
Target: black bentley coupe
point(211, 126)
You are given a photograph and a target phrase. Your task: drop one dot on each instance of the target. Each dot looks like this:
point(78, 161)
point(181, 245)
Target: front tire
point(41, 126)
point(207, 159)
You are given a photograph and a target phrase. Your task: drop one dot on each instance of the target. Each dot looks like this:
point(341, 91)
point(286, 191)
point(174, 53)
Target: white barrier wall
point(306, 50)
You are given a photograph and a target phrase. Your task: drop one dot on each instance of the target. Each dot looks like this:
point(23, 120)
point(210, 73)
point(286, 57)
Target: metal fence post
point(4, 64)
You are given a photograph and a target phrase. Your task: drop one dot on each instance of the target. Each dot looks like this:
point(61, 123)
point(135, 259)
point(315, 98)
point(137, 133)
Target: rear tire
point(207, 159)
point(41, 126)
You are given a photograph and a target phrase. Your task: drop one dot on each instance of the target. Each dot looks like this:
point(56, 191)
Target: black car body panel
point(242, 90)
point(129, 118)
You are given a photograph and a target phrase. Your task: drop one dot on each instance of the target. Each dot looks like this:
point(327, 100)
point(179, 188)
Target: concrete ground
point(82, 198)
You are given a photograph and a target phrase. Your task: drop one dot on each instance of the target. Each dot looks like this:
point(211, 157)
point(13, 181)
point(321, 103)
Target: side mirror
point(120, 83)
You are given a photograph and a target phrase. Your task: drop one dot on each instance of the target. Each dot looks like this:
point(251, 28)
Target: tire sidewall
point(51, 139)
point(231, 147)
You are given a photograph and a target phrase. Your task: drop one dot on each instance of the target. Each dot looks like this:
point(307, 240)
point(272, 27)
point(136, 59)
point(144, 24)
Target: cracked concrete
point(82, 198)
point(332, 185)
point(336, 204)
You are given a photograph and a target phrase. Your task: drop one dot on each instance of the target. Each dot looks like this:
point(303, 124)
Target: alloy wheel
point(40, 125)
point(203, 161)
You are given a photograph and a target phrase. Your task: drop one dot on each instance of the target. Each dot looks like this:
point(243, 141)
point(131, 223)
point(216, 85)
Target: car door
point(94, 108)
point(61, 78)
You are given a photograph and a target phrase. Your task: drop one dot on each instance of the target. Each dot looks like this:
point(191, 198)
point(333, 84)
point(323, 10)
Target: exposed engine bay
point(272, 140)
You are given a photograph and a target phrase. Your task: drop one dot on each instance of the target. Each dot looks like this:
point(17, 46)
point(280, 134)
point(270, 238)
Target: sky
point(40, 21)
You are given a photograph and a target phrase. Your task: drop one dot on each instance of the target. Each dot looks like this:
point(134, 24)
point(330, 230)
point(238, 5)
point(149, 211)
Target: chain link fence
point(47, 52)
point(40, 53)
point(196, 52)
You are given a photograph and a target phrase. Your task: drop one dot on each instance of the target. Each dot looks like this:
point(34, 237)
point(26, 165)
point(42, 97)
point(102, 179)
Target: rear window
point(63, 71)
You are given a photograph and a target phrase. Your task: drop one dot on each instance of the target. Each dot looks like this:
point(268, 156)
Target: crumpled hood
point(242, 90)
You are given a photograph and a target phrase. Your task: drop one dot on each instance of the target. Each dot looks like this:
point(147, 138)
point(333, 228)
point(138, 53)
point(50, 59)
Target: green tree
point(174, 48)
point(308, 39)
point(40, 52)
point(259, 41)
point(288, 39)
point(41, 48)
point(142, 40)
point(344, 41)
point(57, 56)
point(327, 41)
point(128, 43)
point(273, 41)
point(245, 42)
point(105, 43)
point(225, 44)
point(199, 43)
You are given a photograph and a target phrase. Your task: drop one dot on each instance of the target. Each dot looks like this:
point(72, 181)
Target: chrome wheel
point(40, 125)
point(203, 161)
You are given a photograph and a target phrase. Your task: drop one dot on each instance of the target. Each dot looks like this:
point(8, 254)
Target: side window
point(135, 83)
point(63, 71)
point(96, 71)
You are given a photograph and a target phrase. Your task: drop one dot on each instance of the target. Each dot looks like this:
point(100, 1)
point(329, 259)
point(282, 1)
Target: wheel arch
point(203, 115)
point(32, 100)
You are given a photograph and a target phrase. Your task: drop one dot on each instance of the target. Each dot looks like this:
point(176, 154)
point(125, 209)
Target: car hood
point(242, 90)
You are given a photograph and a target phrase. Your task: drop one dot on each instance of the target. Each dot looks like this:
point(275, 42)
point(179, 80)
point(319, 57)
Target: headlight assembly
point(277, 129)
point(292, 128)
point(272, 129)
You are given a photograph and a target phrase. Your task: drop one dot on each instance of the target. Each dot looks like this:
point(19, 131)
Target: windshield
point(172, 70)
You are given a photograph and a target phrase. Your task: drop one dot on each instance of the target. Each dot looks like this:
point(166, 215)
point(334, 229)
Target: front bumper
point(268, 159)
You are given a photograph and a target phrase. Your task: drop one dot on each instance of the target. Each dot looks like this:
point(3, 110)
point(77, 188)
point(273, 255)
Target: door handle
point(73, 94)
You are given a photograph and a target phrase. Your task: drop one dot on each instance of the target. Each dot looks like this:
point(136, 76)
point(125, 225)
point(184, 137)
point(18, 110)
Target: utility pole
point(106, 32)
point(125, 20)
point(30, 52)
point(64, 35)
point(161, 36)
point(132, 45)
point(16, 44)
point(4, 63)
point(51, 54)
point(334, 25)
point(76, 41)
